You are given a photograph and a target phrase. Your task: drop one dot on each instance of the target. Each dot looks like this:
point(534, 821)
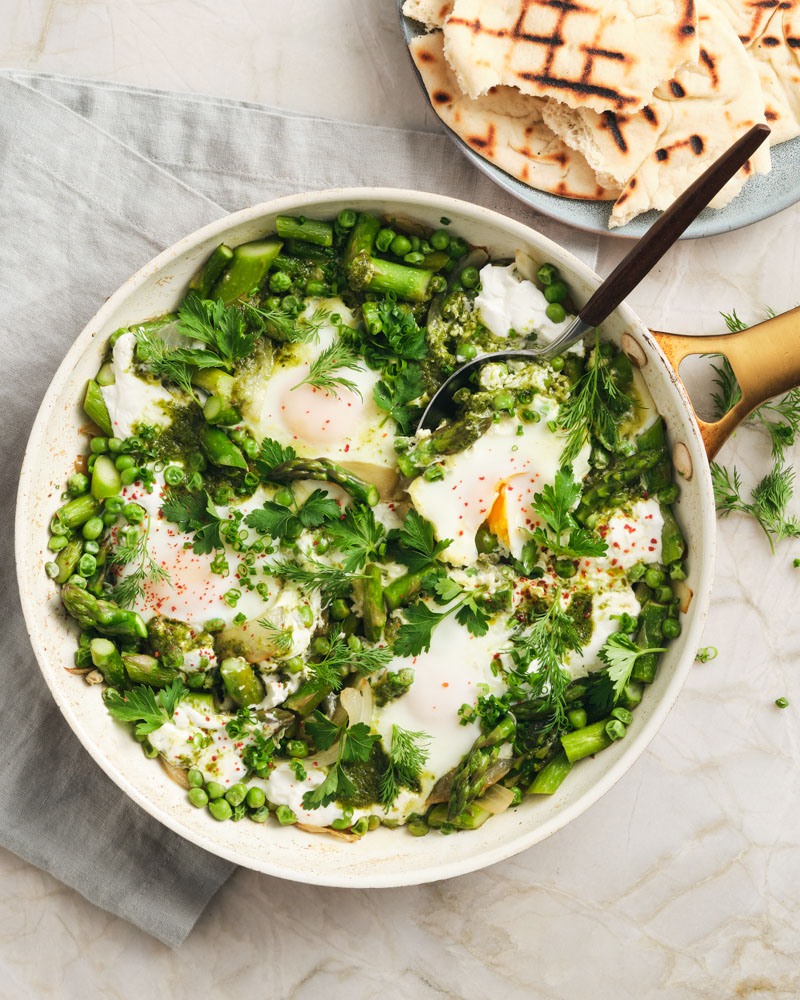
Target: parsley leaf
point(270, 454)
point(415, 635)
point(620, 654)
point(195, 512)
point(355, 746)
point(358, 535)
point(284, 522)
point(395, 394)
point(407, 756)
point(358, 743)
point(417, 541)
point(142, 705)
point(391, 333)
point(553, 506)
point(321, 730)
point(472, 617)
point(223, 328)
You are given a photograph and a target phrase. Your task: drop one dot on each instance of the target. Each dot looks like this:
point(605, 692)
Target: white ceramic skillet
point(384, 857)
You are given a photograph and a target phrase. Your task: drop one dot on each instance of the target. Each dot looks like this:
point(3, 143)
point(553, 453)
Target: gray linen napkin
point(95, 179)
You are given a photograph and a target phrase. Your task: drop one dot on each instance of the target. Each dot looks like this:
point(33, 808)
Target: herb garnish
point(415, 635)
point(553, 505)
point(134, 550)
point(395, 393)
point(195, 512)
point(358, 535)
point(355, 745)
point(284, 326)
point(287, 522)
point(364, 661)
point(149, 709)
point(407, 756)
point(768, 503)
point(322, 370)
point(314, 576)
point(223, 328)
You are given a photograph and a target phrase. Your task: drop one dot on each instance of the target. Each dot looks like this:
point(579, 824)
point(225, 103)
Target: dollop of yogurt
point(130, 400)
point(508, 302)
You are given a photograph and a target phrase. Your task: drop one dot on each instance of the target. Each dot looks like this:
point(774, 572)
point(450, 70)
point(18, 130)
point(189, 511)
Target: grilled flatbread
point(690, 120)
point(431, 13)
point(770, 33)
point(607, 55)
point(505, 127)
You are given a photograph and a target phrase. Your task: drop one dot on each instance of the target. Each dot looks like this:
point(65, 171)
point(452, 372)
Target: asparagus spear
point(105, 616)
point(306, 698)
point(310, 230)
point(369, 274)
point(404, 588)
point(470, 778)
point(309, 252)
point(67, 559)
point(325, 470)
point(451, 439)
point(374, 613)
point(214, 381)
point(247, 269)
point(220, 450)
point(470, 818)
point(650, 635)
point(144, 669)
point(362, 238)
point(587, 741)
point(392, 686)
point(218, 410)
point(79, 510)
point(106, 658)
point(95, 408)
point(240, 681)
point(673, 545)
point(551, 776)
point(205, 279)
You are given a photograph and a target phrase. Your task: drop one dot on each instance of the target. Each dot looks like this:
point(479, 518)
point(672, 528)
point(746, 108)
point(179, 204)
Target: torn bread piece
point(607, 55)
point(506, 128)
point(431, 13)
point(688, 123)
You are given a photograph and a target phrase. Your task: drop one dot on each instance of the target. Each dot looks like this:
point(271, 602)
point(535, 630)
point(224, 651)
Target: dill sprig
point(329, 581)
point(163, 362)
point(595, 407)
point(408, 754)
point(281, 637)
point(134, 550)
point(768, 502)
point(284, 326)
point(322, 371)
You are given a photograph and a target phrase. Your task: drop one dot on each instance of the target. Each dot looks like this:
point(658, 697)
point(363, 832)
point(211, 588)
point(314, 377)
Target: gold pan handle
point(765, 360)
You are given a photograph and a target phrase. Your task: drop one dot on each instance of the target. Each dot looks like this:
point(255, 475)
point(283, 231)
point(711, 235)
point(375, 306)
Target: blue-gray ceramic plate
point(761, 197)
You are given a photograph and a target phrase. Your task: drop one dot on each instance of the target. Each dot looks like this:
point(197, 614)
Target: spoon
point(638, 262)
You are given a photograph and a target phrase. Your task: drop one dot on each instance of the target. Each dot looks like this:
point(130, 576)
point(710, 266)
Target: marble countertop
point(684, 880)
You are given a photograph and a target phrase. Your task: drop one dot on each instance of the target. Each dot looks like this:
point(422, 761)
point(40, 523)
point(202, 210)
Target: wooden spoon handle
point(665, 231)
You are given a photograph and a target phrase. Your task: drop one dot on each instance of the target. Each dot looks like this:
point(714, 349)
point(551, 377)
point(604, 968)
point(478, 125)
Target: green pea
point(615, 730)
point(547, 274)
point(77, 484)
point(173, 475)
point(92, 528)
point(457, 248)
point(556, 313)
point(109, 518)
point(215, 789)
point(440, 240)
point(485, 541)
point(653, 578)
point(284, 497)
point(322, 544)
point(433, 473)
point(280, 282)
point(285, 816)
point(384, 240)
point(195, 778)
point(129, 476)
point(565, 568)
point(255, 798)
point(114, 505)
point(347, 218)
point(123, 462)
point(438, 284)
point(220, 809)
point(316, 288)
point(415, 241)
point(557, 363)
point(664, 594)
point(114, 445)
point(58, 542)
point(782, 702)
point(556, 292)
point(260, 815)
point(90, 463)
point(98, 445)
point(250, 448)
point(530, 416)
point(52, 569)
point(467, 351)
point(671, 628)
point(470, 277)
point(320, 646)
point(214, 625)
point(503, 400)
point(339, 610)
point(133, 513)
point(353, 643)
point(401, 245)
point(296, 748)
point(360, 826)
point(198, 797)
point(196, 461)
point(306, 615)
point(577, 718)
point(236, 794)
point(87, 564)
point(414, 258)
point(636, 572)
point(425, 247)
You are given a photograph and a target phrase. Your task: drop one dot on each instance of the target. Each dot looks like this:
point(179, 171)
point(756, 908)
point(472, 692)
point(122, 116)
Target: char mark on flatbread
point(676, 88)
point(610, 121)
point(711, 66)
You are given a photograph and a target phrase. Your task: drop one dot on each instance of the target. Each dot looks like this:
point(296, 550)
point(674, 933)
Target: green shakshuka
point(314, 613)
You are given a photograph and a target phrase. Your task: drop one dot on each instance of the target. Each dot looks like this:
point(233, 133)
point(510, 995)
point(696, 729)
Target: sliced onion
point(328, 756)
point(177, 774)
point(684, 593)
point(366, 703)
point(352, 702)
point(308, 828)
point(79, 671)
point(497, 799)
point(386, 478)
point(526, 265)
